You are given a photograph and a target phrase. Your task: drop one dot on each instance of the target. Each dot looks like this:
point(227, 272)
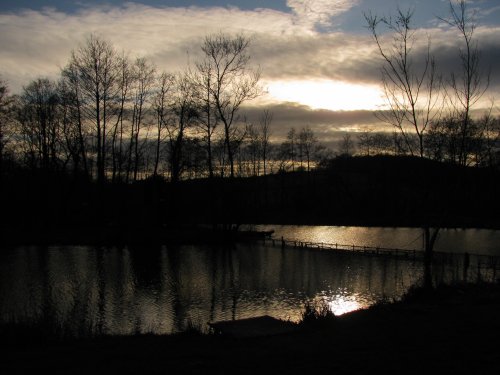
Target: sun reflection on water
point(342, 304)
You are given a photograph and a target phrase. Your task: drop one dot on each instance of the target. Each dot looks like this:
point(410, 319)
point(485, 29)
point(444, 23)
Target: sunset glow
point(332, 95)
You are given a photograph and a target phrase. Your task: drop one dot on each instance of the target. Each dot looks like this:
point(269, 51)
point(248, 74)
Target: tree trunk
point(157, 151)
point(430, 236)
point(229, 152)
point(209, 152)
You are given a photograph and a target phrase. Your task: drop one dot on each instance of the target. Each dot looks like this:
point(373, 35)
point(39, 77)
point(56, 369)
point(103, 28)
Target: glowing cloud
point(324, 94)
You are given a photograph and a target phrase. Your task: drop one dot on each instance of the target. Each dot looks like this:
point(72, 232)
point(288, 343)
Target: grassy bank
point(451, 330)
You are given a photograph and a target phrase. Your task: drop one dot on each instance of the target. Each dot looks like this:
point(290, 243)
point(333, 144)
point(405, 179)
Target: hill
point(368, 191)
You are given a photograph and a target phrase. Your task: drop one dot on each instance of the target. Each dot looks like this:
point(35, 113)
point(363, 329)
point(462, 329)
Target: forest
point(117, 119)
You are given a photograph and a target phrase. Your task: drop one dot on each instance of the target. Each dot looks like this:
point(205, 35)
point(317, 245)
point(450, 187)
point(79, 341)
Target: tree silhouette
point(40, 124)
point(346, 145)
point(184, 114)
point(412, 92)
point(233, 82)
point(73, 101)
point(144, 78)
point(95, 66)
point(208, 115)
point(308, 145)
point(165, 87)
point(5, 120)
point(125, 80)
point(470, 83)
point(265, 135)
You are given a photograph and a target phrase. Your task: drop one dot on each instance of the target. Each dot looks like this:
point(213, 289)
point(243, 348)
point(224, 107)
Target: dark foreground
point(454, 330)
point(53, 208)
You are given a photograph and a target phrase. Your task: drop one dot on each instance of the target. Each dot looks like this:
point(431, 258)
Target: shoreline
point(453, 329)
point(162, 235)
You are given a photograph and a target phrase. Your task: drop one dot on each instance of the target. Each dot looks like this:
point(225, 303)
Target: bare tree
point(470, 83)
point(74, 101)
point(144, 78)
point(382, 143)
point(412, 92)
point(165, 84)
point(265, 135)
point(5, 109)
point(490, 137)
point(184, 114)
point(125, 80)
point(346, 145)
point(233, 82)
point(365, 142)
point(40, 123)
point(308, 143)
point(253, 147)
point(290, 146)
point(208, 114)
point(95, 67)
point(71, 131)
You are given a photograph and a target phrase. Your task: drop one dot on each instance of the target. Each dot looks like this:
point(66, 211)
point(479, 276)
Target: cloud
point(40, 42)
point(287, 46)
point(447, 43)
point(324, 56)
point(329, 126)
point(319, 12)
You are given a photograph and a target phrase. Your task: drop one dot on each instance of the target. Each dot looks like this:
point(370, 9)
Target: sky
point(319, 64)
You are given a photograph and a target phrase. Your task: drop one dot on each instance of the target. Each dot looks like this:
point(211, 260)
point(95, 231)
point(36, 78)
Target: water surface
point(474, 241)
point(88, 290)
point(91, 290)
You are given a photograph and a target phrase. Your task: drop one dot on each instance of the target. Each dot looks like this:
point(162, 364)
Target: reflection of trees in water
point(126, 290)
point(175, 285)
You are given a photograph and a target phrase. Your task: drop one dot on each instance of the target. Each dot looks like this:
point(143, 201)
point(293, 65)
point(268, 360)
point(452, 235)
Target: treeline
point(432, 108)
point(112, 118)
point(443, 142)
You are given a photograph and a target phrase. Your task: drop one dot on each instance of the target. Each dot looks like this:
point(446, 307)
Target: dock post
point(282, 242)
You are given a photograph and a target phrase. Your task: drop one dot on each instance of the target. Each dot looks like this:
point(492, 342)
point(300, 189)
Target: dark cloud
point(328, 125)
point(331, 56)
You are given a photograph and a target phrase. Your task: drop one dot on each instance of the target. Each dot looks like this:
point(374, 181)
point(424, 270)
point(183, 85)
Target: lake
point(474, 241)
point(89, 290)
